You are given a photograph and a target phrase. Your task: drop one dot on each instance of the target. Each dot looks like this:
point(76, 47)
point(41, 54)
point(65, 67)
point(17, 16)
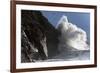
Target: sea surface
point(70, 56)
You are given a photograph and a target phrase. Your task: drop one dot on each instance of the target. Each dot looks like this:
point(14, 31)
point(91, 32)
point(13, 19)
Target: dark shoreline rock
point(36, 28)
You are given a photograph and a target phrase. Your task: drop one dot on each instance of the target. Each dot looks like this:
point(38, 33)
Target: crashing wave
point(71, 35)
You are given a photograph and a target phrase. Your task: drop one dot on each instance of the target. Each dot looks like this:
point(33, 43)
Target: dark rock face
point(34, 29)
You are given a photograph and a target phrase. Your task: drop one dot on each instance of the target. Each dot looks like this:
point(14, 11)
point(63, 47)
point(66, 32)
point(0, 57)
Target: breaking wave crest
point(72, 37)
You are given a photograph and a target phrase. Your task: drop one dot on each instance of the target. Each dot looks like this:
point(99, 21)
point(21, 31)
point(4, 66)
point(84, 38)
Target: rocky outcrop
point(39, 39)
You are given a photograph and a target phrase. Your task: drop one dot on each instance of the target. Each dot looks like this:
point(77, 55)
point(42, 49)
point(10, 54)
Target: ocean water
point(74, 55)
point(66, 55)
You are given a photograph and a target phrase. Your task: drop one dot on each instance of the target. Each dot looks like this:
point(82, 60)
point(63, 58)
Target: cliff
point(34, 29)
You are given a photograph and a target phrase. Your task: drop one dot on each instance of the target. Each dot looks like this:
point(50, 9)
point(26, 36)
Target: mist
point(72, 37)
